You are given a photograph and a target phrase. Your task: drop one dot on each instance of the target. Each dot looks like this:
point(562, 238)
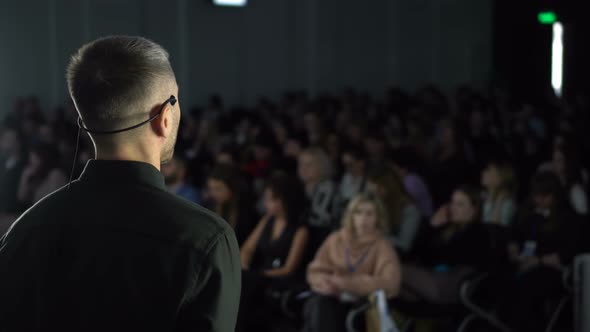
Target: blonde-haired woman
point(353, 262)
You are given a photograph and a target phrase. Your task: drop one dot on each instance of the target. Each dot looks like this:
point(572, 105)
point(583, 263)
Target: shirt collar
point(122, 171)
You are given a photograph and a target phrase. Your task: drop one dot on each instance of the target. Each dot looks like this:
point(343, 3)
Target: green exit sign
point(547, 17)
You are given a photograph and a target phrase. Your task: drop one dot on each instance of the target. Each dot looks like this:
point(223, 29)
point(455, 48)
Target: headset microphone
point(171, 100)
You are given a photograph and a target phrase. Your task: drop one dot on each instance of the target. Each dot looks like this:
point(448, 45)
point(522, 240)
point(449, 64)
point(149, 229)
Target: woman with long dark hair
point(403, 215)
point(273, 253)
point(229, 200)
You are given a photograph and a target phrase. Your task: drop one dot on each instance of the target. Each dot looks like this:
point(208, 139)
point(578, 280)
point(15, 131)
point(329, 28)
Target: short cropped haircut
point(111, 79)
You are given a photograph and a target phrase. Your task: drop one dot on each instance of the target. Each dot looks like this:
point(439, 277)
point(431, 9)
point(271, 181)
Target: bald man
point(114, 250)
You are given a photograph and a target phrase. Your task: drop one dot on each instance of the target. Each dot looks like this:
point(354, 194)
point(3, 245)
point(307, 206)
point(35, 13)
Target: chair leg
point(556, 314)
point(352, 315)
point(407, 325)
point(480, 312)
point(466, 321)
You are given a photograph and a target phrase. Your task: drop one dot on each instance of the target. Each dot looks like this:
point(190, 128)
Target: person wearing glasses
point(114, 250)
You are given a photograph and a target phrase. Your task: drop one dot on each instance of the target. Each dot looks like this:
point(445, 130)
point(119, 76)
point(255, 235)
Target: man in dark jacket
point(114, 251)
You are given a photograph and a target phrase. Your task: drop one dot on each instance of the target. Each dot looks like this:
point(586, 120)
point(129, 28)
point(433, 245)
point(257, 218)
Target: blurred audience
point(414, 151)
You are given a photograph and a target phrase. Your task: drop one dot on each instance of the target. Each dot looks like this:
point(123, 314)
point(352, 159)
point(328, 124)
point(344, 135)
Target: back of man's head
point(116, 81)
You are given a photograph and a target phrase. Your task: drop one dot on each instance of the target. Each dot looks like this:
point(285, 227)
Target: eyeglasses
point(171, 100)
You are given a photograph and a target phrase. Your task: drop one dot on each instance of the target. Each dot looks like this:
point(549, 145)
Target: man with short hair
point(114, 251)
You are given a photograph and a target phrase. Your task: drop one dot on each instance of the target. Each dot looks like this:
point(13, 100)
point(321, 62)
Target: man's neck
point(130, 155)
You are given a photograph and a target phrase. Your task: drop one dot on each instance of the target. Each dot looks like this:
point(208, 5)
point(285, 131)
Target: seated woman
point(404, 217)
point(455, 249)
point(229, 200)
point(499, 206)
point(405, 162)
point(545, 240)
point(353, 262)
point(271, 256)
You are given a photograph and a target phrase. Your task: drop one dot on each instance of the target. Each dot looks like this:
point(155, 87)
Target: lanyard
point(352, 267)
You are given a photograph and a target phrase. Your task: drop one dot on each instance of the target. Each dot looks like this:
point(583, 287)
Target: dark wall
point(263, 49)
point(522, 46)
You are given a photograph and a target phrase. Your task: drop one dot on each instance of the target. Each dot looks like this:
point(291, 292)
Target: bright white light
point(557, 58)
point(235, 3)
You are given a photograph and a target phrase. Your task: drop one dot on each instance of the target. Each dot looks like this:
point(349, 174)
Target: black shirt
point(117, 252)
point(272, 253)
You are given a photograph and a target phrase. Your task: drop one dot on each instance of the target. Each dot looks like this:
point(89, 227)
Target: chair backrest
point(582, 293)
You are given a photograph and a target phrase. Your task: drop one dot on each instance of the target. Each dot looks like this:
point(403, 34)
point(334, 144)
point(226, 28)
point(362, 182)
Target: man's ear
point(162, 124)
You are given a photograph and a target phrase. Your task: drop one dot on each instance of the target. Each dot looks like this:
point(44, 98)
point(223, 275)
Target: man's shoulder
point(196, 220)
point(151, 212)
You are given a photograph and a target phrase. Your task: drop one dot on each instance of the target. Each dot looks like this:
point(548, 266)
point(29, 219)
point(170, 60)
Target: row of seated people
point(359, 257)
point(404, 194)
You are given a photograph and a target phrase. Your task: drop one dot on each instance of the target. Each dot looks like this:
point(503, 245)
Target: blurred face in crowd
point(280, 132)
point(311, 122)
point(375, 148)
point(375, 189)
point(476, 121)
point(333, 145)
point(354, 133)
point(272, 205)
point(9, 143)
point(292, 148)
point(219, 191)
point(400, 171)
point(353, 166)
point(447, 135)
point(46, 134)
point(365, 219)
point(559, 163)
point(309, 169)
point(172, 171)
point(461, 208)
point(35, 160)
point(225, 158)
point(262, 152)
point(490, 177)
point(543, 201)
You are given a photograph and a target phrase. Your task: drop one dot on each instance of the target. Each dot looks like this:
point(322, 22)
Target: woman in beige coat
point(352, 263)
